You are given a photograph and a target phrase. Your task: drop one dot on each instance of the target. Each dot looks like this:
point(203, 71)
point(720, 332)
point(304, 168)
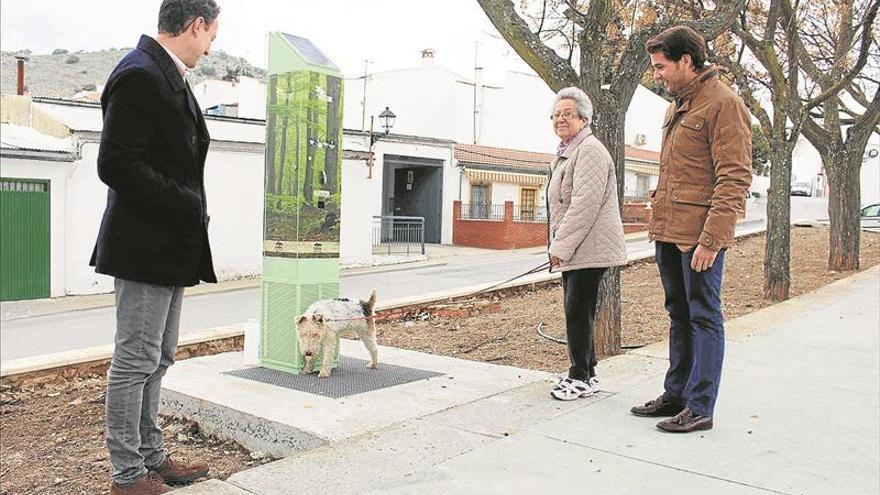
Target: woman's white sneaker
point(568, 389)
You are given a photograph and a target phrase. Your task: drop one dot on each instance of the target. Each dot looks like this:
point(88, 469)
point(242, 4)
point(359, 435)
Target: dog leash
point(531, 271)
point(536, 269)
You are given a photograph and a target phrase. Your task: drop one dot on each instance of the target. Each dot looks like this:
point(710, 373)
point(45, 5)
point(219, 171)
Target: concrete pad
point(515, 410)
point(282, 421)
point(534, 464)
point(797, 411)
point(211, 487)
point(359, 464)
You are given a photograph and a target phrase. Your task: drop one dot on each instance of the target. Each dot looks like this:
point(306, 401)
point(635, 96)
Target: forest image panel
point(303, 164)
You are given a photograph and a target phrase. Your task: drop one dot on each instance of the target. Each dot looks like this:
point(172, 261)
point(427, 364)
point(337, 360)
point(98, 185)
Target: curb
point(29, 364)
point(19, 366)
point(106, 300)
point(409, 265)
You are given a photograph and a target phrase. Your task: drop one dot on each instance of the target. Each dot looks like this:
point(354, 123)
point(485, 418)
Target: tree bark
point(777, 249)
point(842, 158)
point(610, 84)
point(609, 125)
point(844, 205)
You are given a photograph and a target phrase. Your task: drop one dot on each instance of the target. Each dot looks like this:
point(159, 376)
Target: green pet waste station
point(302, 193)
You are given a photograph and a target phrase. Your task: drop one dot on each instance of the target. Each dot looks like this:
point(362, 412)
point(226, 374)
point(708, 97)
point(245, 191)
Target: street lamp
point(386, 120)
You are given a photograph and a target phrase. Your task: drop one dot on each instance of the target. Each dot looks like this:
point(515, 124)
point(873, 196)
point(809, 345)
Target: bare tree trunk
point(844, 199)
point(610, 82)
point(777, 249)
point(608, 125)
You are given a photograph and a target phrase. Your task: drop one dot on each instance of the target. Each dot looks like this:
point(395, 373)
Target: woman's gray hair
point(582, 101)
point(176, 15)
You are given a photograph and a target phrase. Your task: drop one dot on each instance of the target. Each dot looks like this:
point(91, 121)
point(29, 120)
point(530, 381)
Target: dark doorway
point(413, 186)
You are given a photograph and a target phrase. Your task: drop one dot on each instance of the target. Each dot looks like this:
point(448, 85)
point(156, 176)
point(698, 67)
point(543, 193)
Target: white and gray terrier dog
point(319, 326)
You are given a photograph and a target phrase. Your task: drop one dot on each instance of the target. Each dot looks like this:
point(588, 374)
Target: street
point(87, 328)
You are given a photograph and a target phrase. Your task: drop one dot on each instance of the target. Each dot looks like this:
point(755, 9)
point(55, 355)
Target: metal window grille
point(481, 211)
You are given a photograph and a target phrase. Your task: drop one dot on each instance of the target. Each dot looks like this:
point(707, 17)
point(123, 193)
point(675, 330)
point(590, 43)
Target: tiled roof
point(639, 154)
point(489, 156)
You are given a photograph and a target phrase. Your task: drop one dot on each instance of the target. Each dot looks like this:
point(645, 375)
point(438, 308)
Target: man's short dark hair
point(176, 15)
point(676, 41)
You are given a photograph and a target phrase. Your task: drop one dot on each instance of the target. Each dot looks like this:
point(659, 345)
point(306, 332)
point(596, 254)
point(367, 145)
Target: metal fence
point(398, 235)
point(530, 213)
point(485, 211)
point(482, 211)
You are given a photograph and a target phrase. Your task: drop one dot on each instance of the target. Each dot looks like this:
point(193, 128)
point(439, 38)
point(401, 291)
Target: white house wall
point(361, 199)
point(56, 174)
point(501, 192)
point(870, 174)
point(645, 116)
point(234, 188)
point(86, 200)
point(426, 102)
point(432, 101)
point(517, 116)
point(505, 191)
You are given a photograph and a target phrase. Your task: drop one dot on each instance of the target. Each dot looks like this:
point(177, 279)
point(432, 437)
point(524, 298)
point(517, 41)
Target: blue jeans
point(696, 334)
point(147, 320)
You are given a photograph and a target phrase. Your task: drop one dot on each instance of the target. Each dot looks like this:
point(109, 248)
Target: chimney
point(428, 57)
point(20, 59)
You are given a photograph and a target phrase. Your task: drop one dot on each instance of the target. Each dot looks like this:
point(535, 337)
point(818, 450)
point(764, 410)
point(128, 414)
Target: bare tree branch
point(555, 70)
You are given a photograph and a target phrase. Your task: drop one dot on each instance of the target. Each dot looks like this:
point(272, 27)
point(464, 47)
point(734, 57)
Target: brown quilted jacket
point(705, 166)
point(585, 226)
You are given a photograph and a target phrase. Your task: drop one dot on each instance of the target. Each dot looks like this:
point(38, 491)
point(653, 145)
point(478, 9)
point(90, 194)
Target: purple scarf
point(563, 145)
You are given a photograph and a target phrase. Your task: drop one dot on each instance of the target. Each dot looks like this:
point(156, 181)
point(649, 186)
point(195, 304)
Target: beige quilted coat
point(585, 226)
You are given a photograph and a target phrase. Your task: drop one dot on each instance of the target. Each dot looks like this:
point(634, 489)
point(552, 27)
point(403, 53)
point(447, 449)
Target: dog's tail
point(368, 305)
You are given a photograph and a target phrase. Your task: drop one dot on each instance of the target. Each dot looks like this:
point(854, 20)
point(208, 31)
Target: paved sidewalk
point(799, 413)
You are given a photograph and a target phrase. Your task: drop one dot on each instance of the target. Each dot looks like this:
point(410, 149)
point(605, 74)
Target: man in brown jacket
point(705, 171)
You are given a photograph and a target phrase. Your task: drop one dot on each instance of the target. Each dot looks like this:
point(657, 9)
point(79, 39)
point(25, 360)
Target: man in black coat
point(154, 234)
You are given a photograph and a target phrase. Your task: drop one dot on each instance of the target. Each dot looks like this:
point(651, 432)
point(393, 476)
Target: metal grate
point(352, 377)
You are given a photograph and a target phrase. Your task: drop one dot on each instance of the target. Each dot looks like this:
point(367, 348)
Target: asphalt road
point(87, 328)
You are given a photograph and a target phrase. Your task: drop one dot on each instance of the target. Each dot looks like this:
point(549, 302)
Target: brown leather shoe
point(147, 484)
point(657, 408)
point(173, 472)
point(686, 422)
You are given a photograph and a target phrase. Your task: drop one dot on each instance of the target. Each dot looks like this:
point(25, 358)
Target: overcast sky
point(391, 33)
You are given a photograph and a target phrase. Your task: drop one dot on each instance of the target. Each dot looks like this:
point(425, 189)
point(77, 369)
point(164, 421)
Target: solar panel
point(309, 51)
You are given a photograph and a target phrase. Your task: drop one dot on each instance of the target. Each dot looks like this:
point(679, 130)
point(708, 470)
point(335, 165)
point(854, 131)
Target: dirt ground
point(52, 437)
point(52, 442)
point(508, 337)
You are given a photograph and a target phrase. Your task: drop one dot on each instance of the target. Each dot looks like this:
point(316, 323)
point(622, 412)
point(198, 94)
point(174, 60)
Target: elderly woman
point(586, 234)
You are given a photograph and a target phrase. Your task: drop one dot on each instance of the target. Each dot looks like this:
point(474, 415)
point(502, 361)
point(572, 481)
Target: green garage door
point(24, 239)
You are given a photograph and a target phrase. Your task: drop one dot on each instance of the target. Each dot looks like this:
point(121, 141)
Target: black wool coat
point(152, 157)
